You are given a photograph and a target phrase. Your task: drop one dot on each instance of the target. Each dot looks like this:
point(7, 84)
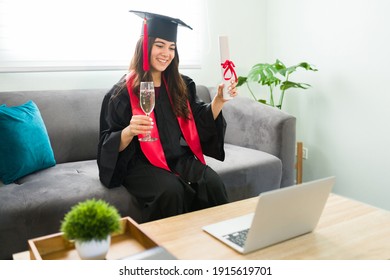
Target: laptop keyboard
point(238, 237)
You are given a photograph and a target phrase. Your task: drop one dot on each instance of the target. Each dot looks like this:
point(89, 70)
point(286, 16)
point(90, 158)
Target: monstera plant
point(274, 76)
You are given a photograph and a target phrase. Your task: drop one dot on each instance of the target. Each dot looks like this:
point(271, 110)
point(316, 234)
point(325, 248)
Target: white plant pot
point(93, 249)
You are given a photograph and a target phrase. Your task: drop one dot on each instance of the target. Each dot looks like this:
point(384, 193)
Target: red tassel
point(145, 47)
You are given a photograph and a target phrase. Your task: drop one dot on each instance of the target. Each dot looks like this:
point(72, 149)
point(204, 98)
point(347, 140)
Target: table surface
point(347, 229)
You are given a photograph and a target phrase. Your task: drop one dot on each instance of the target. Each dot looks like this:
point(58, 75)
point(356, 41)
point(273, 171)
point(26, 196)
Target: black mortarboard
point(158, 26)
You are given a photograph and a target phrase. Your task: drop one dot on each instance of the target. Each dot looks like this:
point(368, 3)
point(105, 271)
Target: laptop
point(280, 215)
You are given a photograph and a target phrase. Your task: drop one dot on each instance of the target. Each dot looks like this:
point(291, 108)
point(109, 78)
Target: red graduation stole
point(153, 150)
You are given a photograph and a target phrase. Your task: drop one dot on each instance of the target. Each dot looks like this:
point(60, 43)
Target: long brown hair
point(176, 86)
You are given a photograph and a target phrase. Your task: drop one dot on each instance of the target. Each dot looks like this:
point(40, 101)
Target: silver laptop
point(280, 215)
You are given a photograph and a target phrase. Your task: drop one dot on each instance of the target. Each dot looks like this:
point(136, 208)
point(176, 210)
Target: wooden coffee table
point(347, 230)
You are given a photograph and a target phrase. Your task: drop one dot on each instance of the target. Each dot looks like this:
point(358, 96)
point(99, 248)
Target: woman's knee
point(171, 190)
point(213, 180)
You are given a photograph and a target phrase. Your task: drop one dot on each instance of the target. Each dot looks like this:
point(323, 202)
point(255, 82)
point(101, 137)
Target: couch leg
point(299, 163)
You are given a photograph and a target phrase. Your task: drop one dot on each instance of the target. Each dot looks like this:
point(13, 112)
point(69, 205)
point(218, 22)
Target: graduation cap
point(160, 26)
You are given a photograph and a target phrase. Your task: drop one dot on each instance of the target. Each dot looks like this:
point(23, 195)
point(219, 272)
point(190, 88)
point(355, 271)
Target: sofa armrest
point(258, 126)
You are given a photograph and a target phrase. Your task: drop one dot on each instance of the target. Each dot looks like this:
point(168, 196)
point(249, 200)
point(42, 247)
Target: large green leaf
point(280, 67)
point(307, 66)
point(264, 74)
point(303, 65)
point(288, 84)
point(241, 80)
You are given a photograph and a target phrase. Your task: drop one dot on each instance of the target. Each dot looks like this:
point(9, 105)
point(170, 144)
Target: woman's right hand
point(139, 124)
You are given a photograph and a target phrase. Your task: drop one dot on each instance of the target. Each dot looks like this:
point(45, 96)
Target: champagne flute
point(147, 101)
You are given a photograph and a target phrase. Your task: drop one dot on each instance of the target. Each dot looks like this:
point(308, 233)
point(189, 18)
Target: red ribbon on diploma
point(228, 65)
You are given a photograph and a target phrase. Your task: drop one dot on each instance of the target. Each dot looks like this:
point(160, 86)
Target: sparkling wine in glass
point(147, 100)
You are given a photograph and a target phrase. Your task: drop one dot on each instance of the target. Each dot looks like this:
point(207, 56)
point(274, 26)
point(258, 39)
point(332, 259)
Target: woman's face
point(163, 52)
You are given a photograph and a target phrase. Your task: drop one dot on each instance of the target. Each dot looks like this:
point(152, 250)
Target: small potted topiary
point(90, 224)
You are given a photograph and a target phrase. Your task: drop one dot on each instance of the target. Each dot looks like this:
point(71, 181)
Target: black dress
point(190, 185)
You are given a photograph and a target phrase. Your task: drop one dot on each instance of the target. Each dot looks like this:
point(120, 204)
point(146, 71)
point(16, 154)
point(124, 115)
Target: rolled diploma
point(224, 54)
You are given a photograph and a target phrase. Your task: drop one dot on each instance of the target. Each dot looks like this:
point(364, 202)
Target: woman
point(168, 177)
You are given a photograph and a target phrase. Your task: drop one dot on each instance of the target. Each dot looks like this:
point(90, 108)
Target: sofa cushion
point(24, 143)
point(247, 172)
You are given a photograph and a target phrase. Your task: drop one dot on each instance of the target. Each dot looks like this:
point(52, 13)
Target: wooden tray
point(131, 240)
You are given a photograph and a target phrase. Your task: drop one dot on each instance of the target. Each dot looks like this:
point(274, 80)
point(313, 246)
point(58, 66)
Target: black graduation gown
point(128, 167)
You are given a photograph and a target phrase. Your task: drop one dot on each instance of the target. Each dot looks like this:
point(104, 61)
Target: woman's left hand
point(218, 101)
point(232, 90)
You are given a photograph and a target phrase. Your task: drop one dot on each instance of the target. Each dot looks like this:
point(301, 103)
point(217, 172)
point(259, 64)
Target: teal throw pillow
point(24, 143)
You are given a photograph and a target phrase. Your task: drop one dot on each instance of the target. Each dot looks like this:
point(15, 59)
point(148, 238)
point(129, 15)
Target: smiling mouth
point(162, 60)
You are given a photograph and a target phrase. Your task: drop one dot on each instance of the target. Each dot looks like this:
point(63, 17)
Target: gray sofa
point(260, 152)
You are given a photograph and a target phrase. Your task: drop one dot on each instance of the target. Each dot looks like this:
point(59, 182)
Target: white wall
point(244, 24)
point(341, 119)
